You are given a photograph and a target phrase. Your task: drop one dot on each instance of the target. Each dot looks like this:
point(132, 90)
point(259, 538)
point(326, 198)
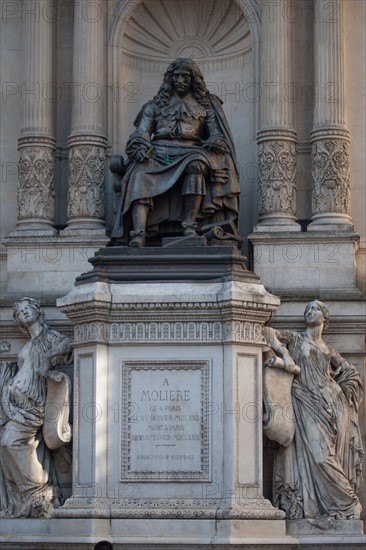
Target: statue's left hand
point(217, 146)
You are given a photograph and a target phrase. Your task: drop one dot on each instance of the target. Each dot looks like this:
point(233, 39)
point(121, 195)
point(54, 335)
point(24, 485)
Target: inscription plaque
point(165, 431)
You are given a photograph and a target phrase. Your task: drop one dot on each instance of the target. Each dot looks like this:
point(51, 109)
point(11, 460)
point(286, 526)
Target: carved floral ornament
point(36, 176)
point(331, 175)
point(86, 181)
point(277, 175)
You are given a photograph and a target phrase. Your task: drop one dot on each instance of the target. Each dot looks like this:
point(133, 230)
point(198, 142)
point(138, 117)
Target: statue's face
point(313, 314)
point(182, 81)
point(26, 314)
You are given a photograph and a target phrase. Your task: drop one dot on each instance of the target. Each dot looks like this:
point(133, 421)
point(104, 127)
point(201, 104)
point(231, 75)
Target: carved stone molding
point(238, 320)
point(86, 178)
point(277, 176)
point(238, 331)
point(331, 173)
point(36, 178)
point(172, 508)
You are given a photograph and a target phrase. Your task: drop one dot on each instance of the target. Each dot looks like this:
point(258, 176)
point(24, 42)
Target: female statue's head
point(198, 86)
point(26, 312)
point(316, 313)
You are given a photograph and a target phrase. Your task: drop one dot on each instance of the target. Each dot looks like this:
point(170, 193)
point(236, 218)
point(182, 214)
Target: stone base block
point(186, 260)
point(132, 534)
point(46, 266)
point(307, 264)
point(327, 526)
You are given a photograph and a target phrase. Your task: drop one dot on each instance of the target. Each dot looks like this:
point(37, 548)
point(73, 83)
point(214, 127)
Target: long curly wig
point(199, 89)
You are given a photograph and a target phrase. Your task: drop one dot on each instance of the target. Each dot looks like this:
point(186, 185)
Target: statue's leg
point(140, 214)
point(193, 190)
point(192, 205)
point(26, 466)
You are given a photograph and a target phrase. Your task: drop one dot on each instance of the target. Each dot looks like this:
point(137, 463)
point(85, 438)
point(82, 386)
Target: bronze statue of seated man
point(181, 173)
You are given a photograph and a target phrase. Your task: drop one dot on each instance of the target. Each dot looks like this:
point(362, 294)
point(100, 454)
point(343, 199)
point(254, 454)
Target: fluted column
point(36, 168)
point(277, 136)
point(87, 141)
point(330, 137)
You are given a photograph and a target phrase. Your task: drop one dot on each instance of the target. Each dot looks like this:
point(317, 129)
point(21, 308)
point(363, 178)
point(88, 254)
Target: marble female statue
point(318, 472)
point(181, 173)
point(29, 481)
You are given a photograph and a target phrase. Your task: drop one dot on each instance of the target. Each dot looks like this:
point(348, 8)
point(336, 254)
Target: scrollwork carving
point(36, 176)
point(331, 176)
point(277, 174)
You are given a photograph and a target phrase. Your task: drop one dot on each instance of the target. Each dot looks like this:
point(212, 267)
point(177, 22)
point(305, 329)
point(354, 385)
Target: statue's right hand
point(140, 155)
point(291, 367)
point(143, 153)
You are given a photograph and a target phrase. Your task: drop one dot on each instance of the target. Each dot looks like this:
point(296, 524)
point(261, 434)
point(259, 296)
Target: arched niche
point(221, 36)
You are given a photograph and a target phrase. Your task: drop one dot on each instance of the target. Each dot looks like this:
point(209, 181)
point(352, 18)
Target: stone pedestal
point(168, 399)
point(167, 425)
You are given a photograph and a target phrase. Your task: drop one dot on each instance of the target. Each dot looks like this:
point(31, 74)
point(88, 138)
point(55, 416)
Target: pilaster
point(330, 137)
point(87, 141)
point(276, 137)
point(36, 168)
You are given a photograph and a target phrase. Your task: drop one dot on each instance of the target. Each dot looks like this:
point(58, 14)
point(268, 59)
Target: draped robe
point(26, 465)
point(318, 473)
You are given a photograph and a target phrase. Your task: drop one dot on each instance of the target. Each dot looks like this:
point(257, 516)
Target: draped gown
point(27, 473)
point(318, 473)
